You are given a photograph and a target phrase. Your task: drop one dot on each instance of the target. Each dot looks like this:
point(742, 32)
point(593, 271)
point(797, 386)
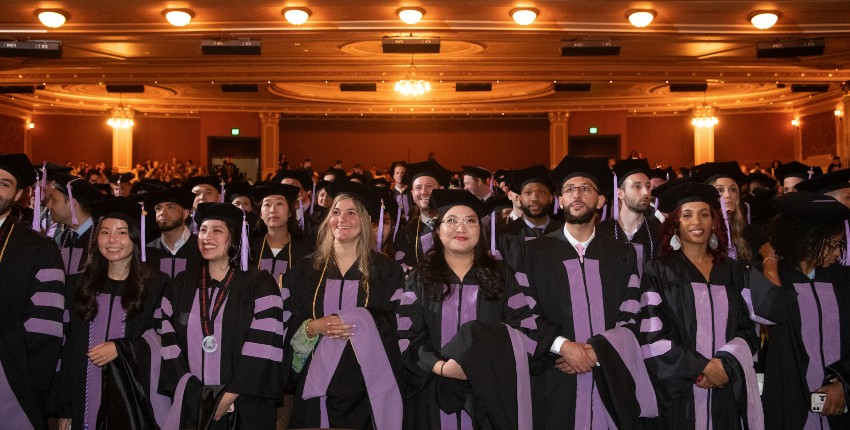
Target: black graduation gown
point(249, 330)
point(426, 326)
point(685, 321)
point(646, 239)
point(412, 242)
point(318, 213)
point(278, 265)
point(511, 237)
point(78, 378)
point(160, 258)
point(577, 300)
point(347, 404)
point(74, 250)
point(809, 345)
point(32, 304)
point(405, 202)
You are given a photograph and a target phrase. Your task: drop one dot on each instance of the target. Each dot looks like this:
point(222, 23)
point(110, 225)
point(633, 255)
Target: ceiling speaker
point(17, 89)
point(113, 88)
point(571, 87)
point(473, 86)
point(411, 45)
point(31, 49)
point(239, 88)
point(358, 87)
point(689, 88)
point(231, 47)
point(791, 48)
point(589, 48)
point(809, 88)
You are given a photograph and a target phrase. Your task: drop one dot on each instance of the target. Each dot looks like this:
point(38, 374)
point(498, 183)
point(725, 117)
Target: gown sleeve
point(417, 354)
point(174, 364)
point(258, 370)
point(517, 313)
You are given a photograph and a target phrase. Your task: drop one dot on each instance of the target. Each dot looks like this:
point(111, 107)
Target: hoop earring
point(713, 242)
point(675, 243)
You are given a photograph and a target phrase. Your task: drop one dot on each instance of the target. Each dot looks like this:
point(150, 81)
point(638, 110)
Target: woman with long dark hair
point(695, 329)
point(456, 285)
point(283, 244)
point(222, 332)
point(344, 377)
point(112, 300)
point(810, 341)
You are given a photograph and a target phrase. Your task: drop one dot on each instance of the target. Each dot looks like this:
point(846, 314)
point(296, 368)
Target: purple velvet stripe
point(179, 266)
point(45, 327)
point(13, 414)
point(260, 350)
point(600, 414)
point(399, 255)
point(582, 327)
point(98, 333)
point(426, 241)
point(523, 384)
point(720, 315)
point(172, 421)
point(44, 298)
point(49, 275)
point(210, 373)
point(384, 393)
point(656, 348)
point(267, 302)
point(161, 404)
point(266, 264)
point(748, 299)
point(165, 266)
point(71, 257)
point(624, 342)
point(350, 289)
point(594, 291)
point(333, 291)
point(521, 279)
point(831, 327)
point(741, 351)
point(469, 304)
point(810, 321)
point(448, 315)
point(704, 336)
point(322, 367)
point(639, 251)
point(449, 421)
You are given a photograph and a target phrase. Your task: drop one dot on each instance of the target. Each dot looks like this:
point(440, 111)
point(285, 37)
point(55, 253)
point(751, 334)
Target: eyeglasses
point(454, 222)
point(584, 189)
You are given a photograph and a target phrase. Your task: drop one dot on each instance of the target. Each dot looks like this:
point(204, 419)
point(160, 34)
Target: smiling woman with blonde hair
point(340, 371)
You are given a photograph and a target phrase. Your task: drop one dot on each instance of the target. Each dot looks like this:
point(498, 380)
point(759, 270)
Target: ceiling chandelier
point(704, 116)
point(122, 117)
point(410, 85)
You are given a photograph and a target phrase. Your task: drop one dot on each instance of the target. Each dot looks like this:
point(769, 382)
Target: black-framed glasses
point(583, 189)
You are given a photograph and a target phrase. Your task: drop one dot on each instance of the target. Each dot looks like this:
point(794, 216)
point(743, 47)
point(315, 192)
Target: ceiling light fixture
point(641, 18)
point(296, 15)
point(410, 15)
point(411, 85)
point(524, 15)
point(764, 19)
point(53, 18)
point(178, 17)
point(122, 117)
point(704, 116)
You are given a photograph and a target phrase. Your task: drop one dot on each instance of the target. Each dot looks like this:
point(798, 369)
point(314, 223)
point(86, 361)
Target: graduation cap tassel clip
point(381, 226)
point(313, 199)
point(604, 213)
point(36, 212)
point(194, 224)
point(811, 172)
point(493, 233)
point(301, 209)
point(397, 222)
point(243, 244)
point(615, 207)
point(221, 194)
point(557, 204)
point(143, 241)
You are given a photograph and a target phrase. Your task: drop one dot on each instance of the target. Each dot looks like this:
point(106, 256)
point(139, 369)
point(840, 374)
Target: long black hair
point(797, 240)
point(94, 277)
point(434, 272)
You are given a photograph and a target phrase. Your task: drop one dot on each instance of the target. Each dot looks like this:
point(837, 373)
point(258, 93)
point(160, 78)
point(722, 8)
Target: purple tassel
point(144, 253)
point(221, 194)
point(397, 222)
point(381, 226)
point(194, 224)
point(243, 245)
point(36, 211)
point(615, 208)
point(847, 248)
point(119, 186)
point(749, 221)
point(301, 208)
point(557, 204)
point(728, 228)
point(71, 203)
point(312, 198)
point(604, 213)
point(493, 233)
point(656, 203)
point(811, 172)
point(44, 176)
point(492, 179)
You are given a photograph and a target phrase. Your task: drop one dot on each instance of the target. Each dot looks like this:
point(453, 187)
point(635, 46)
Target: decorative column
point(559, 136)
point(122, 148)
point(703, 145)
point(269, 142)
point(842, 131)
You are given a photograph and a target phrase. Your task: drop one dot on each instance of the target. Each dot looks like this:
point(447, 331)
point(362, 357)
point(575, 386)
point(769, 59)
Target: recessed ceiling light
point(296, 15)
point(764, 19)
point(524, 15)
point(641, 18)
point(178, 17)
point(53, 18)
point(410, 15)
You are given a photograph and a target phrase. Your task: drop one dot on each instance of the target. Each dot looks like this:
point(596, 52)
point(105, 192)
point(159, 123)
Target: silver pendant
point(209, 344)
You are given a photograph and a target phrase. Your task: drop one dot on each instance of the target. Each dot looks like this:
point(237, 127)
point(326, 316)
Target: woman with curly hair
point(342, 348)
point(113, 301)
point(809, 352)
point(695, 329)
point(457, 285)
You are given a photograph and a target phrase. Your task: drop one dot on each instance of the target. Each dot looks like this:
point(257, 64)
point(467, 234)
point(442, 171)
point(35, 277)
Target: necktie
point(580, 249)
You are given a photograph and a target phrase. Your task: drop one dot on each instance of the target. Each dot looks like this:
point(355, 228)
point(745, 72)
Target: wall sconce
point(30, 125)
point(838, 113)
point(795, 122)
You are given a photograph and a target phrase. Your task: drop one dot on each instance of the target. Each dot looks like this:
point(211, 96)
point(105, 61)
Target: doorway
point(245, 152)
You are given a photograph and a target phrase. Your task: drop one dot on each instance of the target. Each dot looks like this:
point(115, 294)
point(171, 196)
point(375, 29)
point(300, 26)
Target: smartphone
point(816, 402)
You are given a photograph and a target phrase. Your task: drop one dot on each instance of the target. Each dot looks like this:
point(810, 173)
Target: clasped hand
point(576, 358)
point(713, 376)
point(331, 326)
point(102, 354)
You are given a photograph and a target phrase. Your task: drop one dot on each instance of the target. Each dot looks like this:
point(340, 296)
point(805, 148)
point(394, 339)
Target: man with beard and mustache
point(69, 204)
point(414, 240)
point(177, 248)
point(586, 289)
point(32, 304)
point(630, 223)
point(534, 193)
